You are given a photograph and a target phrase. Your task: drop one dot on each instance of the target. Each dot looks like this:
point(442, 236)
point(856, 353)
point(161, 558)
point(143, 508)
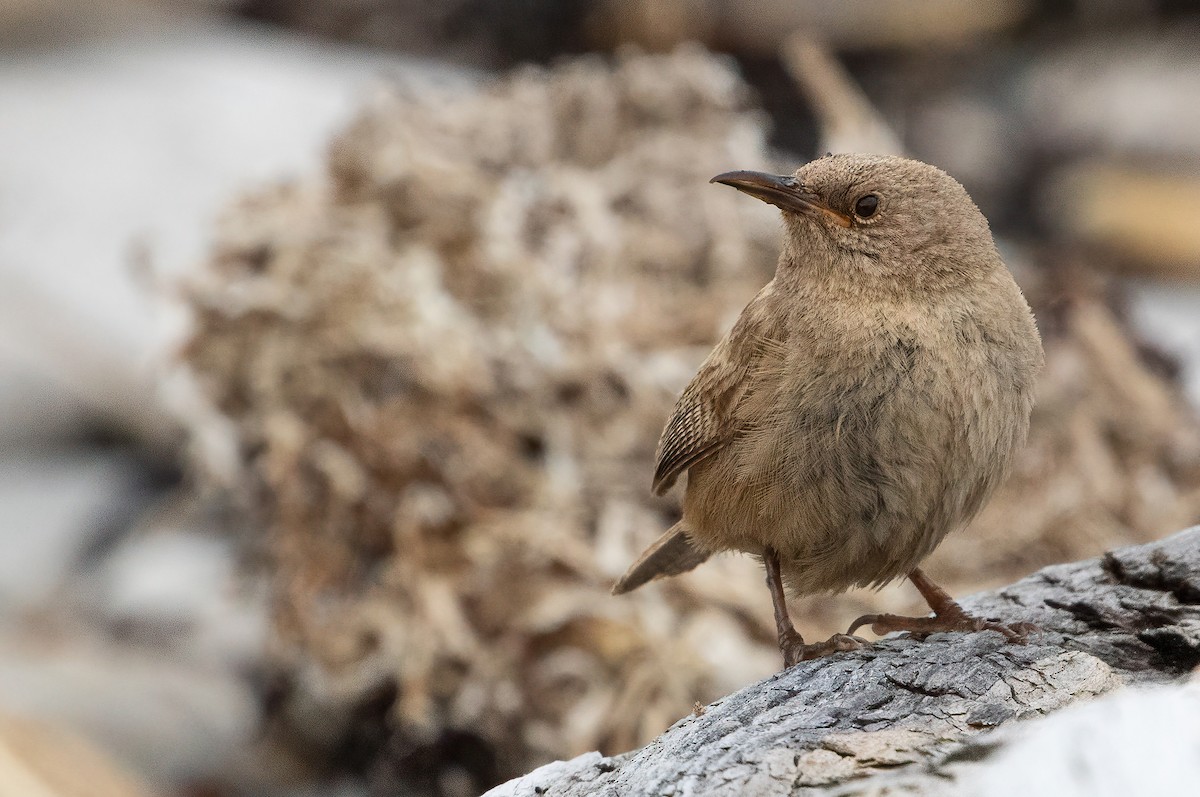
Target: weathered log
point(902, 716)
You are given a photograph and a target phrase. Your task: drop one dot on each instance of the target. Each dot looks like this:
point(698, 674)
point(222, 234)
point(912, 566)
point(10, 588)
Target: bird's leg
point(789, 638)
point(948, 615)
point(791, 644)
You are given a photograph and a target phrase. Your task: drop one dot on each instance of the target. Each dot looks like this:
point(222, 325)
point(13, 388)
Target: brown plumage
point(866, 402)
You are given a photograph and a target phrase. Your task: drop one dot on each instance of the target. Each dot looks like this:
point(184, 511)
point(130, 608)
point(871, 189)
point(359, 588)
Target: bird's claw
point(921, 627)
point(795, 650)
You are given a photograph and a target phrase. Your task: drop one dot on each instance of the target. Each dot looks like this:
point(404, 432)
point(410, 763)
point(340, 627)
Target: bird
point(866, 402)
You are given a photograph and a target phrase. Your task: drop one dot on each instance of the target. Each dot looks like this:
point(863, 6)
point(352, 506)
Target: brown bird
point(866, 402)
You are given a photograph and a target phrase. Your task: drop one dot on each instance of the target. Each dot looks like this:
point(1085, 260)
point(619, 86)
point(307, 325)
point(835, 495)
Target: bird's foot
point(795, 650)
point(953, 618)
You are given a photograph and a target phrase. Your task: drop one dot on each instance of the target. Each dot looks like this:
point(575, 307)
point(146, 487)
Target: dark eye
point(865, 208)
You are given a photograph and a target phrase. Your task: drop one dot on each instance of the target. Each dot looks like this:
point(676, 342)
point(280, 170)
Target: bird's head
point(895, 219)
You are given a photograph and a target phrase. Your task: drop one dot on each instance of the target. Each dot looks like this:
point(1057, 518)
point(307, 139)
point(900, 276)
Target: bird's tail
point(671, 554)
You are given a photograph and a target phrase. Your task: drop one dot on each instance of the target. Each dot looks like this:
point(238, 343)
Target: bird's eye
point(865, 207)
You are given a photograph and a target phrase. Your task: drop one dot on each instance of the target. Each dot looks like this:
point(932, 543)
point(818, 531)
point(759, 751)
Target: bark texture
point(905, 716)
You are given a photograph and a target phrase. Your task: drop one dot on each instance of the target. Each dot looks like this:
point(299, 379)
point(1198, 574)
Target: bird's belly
point(830, 535)
point(849, 499)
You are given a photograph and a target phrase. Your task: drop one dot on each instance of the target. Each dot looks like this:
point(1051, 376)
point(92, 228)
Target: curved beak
point(782, 192)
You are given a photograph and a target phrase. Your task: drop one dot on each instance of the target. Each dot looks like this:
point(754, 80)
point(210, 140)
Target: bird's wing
point(705, 417)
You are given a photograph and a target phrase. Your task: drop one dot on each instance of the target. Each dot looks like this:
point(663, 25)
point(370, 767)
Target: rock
point(181, 587)
point(1136, 92)
point(54, 506)
point(171, 720)
point(117, 149)
point(132, 627)
point(1166, 314)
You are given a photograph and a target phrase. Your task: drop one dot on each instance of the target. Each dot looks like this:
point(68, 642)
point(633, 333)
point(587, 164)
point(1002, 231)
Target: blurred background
point(336, 338)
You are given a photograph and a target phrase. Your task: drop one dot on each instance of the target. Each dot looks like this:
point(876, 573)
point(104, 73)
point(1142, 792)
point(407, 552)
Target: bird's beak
point(782, 192)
